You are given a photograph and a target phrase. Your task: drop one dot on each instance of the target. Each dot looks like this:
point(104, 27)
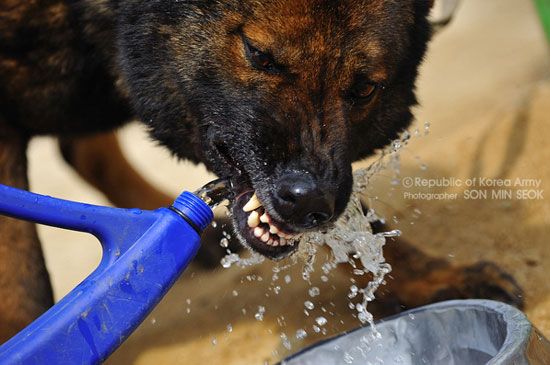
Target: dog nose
point(302, 202)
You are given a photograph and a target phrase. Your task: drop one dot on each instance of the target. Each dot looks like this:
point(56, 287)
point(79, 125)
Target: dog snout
point(301, 201)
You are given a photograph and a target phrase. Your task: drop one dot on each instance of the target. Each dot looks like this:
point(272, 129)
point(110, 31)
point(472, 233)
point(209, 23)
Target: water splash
point(350, 240)
point(235, 259)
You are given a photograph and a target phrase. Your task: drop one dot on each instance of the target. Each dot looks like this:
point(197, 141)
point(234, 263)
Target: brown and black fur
point(73, 68)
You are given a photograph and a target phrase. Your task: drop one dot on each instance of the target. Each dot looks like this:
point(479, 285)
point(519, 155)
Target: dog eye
point(364, 91)
point(260, 60)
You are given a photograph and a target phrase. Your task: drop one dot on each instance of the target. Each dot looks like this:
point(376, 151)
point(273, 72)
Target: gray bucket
point(457, 332)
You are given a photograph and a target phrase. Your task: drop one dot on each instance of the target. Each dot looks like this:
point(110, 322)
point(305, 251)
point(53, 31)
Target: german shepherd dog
point(279, 95)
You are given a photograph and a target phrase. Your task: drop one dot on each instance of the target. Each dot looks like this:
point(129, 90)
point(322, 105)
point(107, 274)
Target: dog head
point(280, 95)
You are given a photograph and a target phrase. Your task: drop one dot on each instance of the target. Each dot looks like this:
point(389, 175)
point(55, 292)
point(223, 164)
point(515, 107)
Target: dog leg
point(99, 160)
point(25, 289)
point(418, 279)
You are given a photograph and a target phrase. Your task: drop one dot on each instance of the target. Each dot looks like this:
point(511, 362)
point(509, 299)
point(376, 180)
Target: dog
point(280, 96)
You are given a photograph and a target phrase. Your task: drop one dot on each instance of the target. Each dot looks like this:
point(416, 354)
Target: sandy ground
point(482, 90)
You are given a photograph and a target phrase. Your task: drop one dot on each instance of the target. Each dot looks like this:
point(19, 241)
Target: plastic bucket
point(456, 332)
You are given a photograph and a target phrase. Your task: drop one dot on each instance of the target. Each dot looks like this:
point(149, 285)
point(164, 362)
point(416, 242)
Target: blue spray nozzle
point(194, 210)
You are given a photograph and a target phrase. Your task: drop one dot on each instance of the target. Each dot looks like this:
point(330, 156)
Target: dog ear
point(442, 12)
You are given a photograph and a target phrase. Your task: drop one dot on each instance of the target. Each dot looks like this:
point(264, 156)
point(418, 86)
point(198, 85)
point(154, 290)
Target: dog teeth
point(270, 235)
point(264, 218)
point(254, 219)
point(259, 232)
point(253, 204)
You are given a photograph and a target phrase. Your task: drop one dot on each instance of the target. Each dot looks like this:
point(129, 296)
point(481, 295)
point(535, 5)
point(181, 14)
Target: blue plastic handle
point(144, 252)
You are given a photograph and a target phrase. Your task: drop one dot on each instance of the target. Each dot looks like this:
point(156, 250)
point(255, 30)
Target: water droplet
point(229, 328)
point(214, 224)
point(321, 321)
point(285, 341)
point(391, 234)
point(260, 314)
point(224, 242)
point(309, 305)
point(396, 145)
point(314, 291)
point(353, 291)
point(235, 293)
point(153, 321)
point(301, 334)
point(288, 279)
point(214, 341)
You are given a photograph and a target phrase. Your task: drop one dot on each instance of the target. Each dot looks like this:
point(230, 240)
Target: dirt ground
point(484, 89)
